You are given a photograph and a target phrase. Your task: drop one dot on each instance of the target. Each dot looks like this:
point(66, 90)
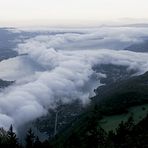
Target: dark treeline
point(8, 139)
point(127, 135)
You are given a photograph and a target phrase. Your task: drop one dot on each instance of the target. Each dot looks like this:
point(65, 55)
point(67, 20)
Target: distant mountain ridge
point(127, 25)
point(138, 47)
point(4, 84)
point(7, 44)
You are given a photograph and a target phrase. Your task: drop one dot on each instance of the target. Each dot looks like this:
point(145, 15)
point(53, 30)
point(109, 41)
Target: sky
point(62, 12)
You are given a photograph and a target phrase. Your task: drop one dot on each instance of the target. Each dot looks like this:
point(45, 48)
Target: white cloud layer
point(59, 67)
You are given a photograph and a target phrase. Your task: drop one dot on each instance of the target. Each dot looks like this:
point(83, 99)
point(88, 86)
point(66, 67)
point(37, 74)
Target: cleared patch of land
point(111, 122)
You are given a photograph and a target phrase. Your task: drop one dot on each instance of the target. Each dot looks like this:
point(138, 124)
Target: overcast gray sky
point(23, 12)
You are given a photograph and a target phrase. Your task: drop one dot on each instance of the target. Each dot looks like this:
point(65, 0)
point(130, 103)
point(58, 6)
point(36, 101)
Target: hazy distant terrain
point(7, 44)
point(139, 47)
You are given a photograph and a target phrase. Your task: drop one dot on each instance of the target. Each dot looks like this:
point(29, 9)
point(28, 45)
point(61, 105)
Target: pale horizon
point(71, 12)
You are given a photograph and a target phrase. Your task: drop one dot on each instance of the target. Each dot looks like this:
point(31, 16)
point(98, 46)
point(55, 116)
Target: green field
point(111, 122)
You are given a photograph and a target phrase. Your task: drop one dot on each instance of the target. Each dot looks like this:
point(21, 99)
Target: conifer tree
point(12, 139)
point(30, 139)
point(37, 143)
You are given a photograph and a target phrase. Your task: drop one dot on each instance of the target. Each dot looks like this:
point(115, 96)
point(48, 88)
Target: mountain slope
point(138, 47)
point(113, 99)
point(4, 84)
